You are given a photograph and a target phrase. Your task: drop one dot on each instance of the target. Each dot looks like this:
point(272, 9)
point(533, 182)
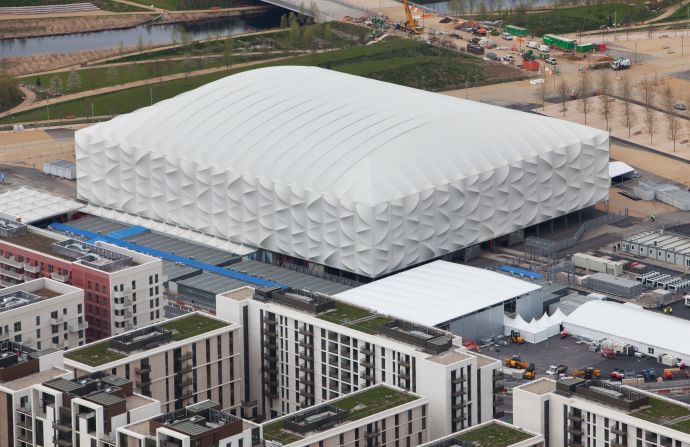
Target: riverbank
point(55, 26)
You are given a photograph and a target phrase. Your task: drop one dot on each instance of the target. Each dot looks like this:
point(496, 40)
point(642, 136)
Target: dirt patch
point(501, 71)
point(68, 25)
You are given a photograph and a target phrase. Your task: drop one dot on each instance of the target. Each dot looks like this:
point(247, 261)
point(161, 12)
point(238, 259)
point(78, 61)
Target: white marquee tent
point(536, 330)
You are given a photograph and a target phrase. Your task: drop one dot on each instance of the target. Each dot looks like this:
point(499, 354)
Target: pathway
point(668, 12)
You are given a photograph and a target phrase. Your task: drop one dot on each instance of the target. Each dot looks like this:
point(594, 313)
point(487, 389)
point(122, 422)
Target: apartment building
point(202, 424)
point(490, 433)
point(43, 313)
point(122, 288)
point(21, 368)
point(577, 413)
point(377, 415)
point(303, 350)
point(182, 361)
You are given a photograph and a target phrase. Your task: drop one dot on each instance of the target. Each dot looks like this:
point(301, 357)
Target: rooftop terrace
point(352, 407)
point(110, 350)
point(489, 435)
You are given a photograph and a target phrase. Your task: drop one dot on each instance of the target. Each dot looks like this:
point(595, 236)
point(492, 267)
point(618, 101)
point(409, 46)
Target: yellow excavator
point(411, 25)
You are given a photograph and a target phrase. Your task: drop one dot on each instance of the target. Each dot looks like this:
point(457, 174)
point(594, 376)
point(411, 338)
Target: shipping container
point(584, 48)
point(559, 42)
point(517, 30)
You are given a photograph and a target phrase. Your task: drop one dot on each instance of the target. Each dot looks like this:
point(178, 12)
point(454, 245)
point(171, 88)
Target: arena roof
point(27, 205)
point(632, 323)
point(365, 141)
point(437, 292)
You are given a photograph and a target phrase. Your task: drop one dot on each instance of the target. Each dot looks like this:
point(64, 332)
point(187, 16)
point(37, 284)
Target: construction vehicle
point(587, 373)
point(670, 373)
point(515, 337)
point(617, 374)
point(554, 370)
point(530, 373)
point(411, 25)
point(515, 362)
point(649, 374)
point(620, 63)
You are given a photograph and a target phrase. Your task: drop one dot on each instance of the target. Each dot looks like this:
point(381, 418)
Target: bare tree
point(228, 49)
point(543, 88)
point(73, 81)
point(606, 103)
point(628, 115)
point(56, 85)
point(648, 96)
point(585, 84)
point(562, 90)
point(672, 121)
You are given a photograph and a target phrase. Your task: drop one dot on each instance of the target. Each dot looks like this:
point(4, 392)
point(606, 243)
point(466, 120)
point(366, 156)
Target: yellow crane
point(411, 23)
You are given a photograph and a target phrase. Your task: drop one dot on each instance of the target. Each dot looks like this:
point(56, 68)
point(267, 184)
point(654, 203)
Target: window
point(150, 279)
point(79, 308)
point(650, 350)
point(38, 320)
point(18, 326)
point(56, 340)
point(134, 284)
point(156, 278)
point(38, 333)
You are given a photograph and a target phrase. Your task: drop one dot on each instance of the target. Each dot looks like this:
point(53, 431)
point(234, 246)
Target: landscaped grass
point(680, 14)
point(192, 325)
point(660, 411)
point(193, 4)
point(108, 5)
point(344, 313)
point(404, 62)
point(94, 354)
point(494, 435)
point(579, 18)
point(372, 401)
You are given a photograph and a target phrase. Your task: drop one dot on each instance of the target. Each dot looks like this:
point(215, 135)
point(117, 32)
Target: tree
point(606, 104)
point(111, 75)
point(562, 90)
point(648, 96)
point(283, 22)
point(56, 85)
point(628, 115)
point(673, 124)
point(308, 37)
point(543, 88)
point(228, 48)
point(38, 82)
point(10, 95)
point(295, 34)
point(585, 83)
point(73, 81)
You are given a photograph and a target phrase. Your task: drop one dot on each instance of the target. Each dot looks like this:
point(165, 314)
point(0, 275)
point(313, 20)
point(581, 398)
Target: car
point(469, 29)
point(492, 56)
point(507, 58)
point(679, 106)
point(544, 48)
point(551, 61)
point(532, 44)
point(507, 36)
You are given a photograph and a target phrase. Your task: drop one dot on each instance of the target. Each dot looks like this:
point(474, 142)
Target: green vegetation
point(371, 401)
point(358, 405)
point(682, 13)
point(194, 4)
point(94, 354)
point(192, 325)
point(404, 62)
point(683, 426)
point(344, 314)
point(660, 411)
point(10, 95)
point(494, 435)
point(108, 5)
point(576, 18)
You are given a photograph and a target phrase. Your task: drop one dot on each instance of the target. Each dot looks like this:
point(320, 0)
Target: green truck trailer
point(559, 42)
point(517, 31)
point(584, 48)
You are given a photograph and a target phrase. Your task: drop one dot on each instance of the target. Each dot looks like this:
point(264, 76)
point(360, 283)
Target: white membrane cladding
point(340, 170)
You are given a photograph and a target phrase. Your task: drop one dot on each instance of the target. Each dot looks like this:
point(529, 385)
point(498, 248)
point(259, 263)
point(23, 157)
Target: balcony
point(11, 261)
point(575, 431)
point(366, 376)
point(461, 379)
point(269, 332)
point(367, 351)
point(57, 320)
point(142, 383)
point(616, 444)
point(372, 434)
point(26, 424)
point(128, 327)
point(185, 369)
point(186, 394)
point(458, 393)
point(367, 363)
point(186, 356)
point(404, 363)
point(78, 326)
point(62, 442)
point(459, 405)
point(25, 410)
point(575, 417)
point(305, 331)
point(117, 294)
point(306, 380)
point(619, 431)
point(13, 275)
point(186, 382)
point(63, 428)
point(305, 343)
point(32, 268)
point(306, 368)
point(142, 369)
point(305, 356)
point(60, 277)
point(575, 444)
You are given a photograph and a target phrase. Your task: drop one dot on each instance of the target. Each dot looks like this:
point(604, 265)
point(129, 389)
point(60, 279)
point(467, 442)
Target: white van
point(544, 48)
point(532, 44)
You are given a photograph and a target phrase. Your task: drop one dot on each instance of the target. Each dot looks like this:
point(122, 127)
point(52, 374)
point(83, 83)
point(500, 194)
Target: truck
point(585, 48)
point(587, 373)
point(554, 370)
point(563, 43)
point(515, 362)
point(517, 31)
point(620, 63)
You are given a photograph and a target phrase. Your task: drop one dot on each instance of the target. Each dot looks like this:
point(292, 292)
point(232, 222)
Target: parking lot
point(572, 353)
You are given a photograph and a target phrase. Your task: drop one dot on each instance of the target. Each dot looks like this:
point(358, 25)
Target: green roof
point(494, 435)
point(355, 317)
point(661, 412)
point(358, 406)
point(96, 354)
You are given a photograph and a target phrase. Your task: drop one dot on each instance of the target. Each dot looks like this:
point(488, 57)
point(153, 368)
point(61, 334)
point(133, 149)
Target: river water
point(150, 34)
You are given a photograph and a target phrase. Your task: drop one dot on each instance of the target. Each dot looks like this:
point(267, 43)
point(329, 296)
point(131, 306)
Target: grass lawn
point(344, 313)
point(371, 401)
point(683, 426)
point(494, 435)
point(680, 14)
point(187, 327)
point(94, 354)
point(579, 18)
point(193, 4)
point(659, 411)
point(108, 5)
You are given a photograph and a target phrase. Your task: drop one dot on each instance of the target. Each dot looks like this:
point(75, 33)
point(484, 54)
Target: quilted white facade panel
point(331, 171)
